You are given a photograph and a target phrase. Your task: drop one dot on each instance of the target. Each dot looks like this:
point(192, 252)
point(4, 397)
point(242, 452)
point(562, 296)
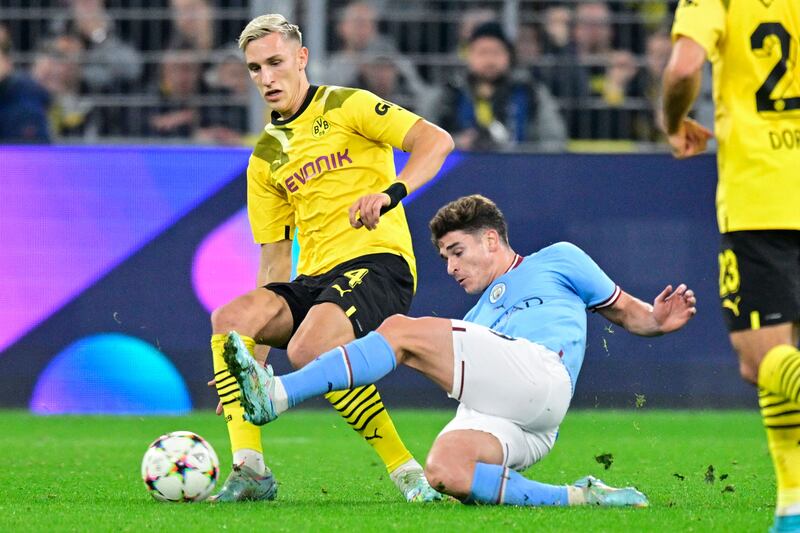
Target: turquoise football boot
point(243, 484)
point(598, 493)
point(256, 383)
point(413, 485)
point(786, 524)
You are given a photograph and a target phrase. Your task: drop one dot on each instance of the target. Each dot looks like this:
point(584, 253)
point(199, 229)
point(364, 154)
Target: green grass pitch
point(81, 473)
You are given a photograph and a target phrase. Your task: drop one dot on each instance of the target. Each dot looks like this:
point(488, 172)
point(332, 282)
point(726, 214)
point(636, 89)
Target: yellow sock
point(243, 434)
point(779, 379)
point(364, 411)
point(779, 372)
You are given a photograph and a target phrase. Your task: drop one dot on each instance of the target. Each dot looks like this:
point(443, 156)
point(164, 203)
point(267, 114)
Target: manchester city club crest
point(497, 292)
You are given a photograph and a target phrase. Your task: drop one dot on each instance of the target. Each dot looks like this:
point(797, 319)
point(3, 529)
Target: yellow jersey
point(306, 171)
point(753, 47)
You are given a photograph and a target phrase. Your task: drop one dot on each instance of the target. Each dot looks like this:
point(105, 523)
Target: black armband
point(396, 191)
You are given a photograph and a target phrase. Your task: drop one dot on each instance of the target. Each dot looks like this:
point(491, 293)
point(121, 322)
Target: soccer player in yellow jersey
point(323, 165)
point(753, 47)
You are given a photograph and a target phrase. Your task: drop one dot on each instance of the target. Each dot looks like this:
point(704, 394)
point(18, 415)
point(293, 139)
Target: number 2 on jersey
point(763, 46)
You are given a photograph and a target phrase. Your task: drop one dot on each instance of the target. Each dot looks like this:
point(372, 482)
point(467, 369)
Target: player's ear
point(302, 57)
point(492, 239)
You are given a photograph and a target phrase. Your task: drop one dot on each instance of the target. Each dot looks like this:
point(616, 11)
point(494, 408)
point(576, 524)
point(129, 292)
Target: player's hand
point(366, 211)
point(673, 309)
point(213, 384)
point(690, 139)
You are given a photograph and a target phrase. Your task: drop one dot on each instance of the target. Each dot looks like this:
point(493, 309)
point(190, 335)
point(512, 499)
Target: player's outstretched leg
point(499, 485)
point(256, 382)
point(264, 396)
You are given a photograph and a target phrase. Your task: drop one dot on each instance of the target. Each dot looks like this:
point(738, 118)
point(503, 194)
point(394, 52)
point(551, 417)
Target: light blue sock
point(497, 484)
point(360, 362)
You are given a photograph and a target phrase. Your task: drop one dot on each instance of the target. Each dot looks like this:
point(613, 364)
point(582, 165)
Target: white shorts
point(514, 389)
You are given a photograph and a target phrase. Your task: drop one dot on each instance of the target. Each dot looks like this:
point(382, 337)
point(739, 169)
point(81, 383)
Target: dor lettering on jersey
point(785, 139)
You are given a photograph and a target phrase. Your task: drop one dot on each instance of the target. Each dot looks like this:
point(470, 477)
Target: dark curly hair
point(470, 214)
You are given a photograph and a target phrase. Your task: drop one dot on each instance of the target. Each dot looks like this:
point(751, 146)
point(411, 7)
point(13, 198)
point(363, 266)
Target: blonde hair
point(264, 25)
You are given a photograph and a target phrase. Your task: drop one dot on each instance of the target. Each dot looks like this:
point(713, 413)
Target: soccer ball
point(180, 467)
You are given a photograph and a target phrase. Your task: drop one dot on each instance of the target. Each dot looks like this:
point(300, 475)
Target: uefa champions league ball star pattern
point(180, 467)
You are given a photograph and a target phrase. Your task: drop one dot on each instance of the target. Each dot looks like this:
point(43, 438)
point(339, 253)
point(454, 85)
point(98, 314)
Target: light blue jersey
point(544, 299)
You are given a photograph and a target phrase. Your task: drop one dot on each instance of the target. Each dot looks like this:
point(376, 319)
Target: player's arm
point(681, 85)
point(428, 146)
point(271, 221)
point(384, 122)
point(275, 262)
point(670, 311)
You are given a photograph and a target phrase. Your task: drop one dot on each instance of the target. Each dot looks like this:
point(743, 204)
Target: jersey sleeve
point(270, 214)
point(703, 21)
point(377, 119)
point(584, 276)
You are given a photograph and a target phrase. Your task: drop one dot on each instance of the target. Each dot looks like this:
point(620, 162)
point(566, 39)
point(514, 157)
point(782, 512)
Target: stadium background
point(116, 247)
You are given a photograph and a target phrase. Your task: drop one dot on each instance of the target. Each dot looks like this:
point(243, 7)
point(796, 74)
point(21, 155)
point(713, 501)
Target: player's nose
point(451, 266)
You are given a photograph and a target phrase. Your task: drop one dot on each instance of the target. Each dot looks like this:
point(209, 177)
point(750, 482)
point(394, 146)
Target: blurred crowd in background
point(500, 75)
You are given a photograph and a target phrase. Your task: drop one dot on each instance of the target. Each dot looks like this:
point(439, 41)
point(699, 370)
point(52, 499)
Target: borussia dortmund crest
point(320, 127)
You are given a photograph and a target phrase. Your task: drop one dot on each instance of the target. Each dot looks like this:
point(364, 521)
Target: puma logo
point(341, 290)
point(374, 436)
point(733, 305)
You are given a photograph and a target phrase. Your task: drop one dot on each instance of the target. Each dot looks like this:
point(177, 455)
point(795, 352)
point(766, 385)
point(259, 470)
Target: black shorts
point(369, 289)
point(759, 278)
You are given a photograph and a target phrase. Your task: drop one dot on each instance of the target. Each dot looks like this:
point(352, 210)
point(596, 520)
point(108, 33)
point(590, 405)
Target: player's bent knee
point(398, 330)
point(748, 371)
point(223, 318)
point(235, 315)
point(300, 353)
point(394, 325)
point(749, 361)
point(446, 480)
point(245, 314)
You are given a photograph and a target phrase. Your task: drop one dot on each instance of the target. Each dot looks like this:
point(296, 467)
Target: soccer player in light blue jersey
point(512, 362)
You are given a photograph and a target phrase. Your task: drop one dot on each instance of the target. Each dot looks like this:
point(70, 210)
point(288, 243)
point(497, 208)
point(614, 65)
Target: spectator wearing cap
point(23, 102)
point(492, 106)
